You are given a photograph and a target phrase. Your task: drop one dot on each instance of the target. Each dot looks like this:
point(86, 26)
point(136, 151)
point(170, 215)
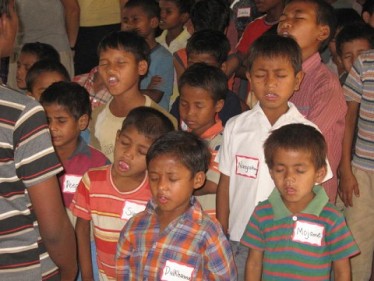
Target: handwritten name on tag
point(71, 183)
point(174, 271)
point(243, 12)
point(308, 233)
point(131, 208)
point(247, 166)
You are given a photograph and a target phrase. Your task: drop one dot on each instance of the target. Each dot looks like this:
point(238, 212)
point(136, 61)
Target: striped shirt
point(27, 158)
point(192, 247)
point(99, 200)
point(359, 87)
point(299, 246)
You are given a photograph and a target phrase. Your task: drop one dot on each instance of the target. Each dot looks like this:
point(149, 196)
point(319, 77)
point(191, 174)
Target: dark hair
point(325, 16)
point(211, 42)
point(128, 41)
point(70, 95)
point(346, 16)
point(150, 7)
point(368, 7)
point(271, 46)
point(353, 32)
point(188, 148)
point(210, 14)
point(297, 137)
point(184, 6)
point(148, 121)
point(5, 5)
point(42, 51)
point(207, 77)
point(43, 66)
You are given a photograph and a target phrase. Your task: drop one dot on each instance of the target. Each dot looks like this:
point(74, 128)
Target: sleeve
point(34, 156)
point(80, 205)
point(253, 235)
point(123, 253)
point(353, 86)
point(218, 257)
point(224, 156)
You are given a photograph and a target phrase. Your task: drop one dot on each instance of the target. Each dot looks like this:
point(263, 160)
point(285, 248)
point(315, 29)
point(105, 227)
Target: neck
point(274, 114)
point(66, 151)
point(173, 33)
point(121, 105)
point(272, 16)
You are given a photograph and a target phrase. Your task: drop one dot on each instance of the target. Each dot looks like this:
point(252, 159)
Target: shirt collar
point(82, 148)
point(312, 62)
point(315, 207)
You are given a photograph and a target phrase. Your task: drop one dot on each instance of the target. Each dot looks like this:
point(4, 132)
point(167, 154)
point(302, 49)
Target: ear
point(248, 75)
point(83, 122)
point(199, 180)
point(299, 79)
point(324, 32)
point(142, 67)
point(224, 67)
point(154, 22)
point(366, 17)
point(118, 134)
point(219, 105)
point(320, 174)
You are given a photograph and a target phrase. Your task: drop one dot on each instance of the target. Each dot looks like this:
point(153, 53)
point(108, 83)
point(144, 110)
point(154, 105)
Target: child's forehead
point(279, 60)
point(116, 52)
point(300, 6)
point(56, 107)
point(208, 58)
point(27, 56)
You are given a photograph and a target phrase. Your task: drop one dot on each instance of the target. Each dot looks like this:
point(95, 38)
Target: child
point(142, 16)
point(211, 47)
point(30, 54)
point(275, 73)
point(110, 195)
point(356, 173)
point(320, 97)
point(42, 74)
point(123, 60)
point(203, 90)
point(297, 234)
point(173, 239)
point(352, 40)
point(368, 12)
point(174, 15)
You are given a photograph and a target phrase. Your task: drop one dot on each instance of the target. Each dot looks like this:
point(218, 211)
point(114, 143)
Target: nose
point(289, 177)
point(129, 152)
point(271, 81)
point(162, 184)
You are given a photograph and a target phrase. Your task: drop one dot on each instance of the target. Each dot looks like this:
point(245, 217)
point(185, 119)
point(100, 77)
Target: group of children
point(189, 194)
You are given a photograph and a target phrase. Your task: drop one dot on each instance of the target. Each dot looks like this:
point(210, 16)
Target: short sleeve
point(80, 205)
point(253, 235)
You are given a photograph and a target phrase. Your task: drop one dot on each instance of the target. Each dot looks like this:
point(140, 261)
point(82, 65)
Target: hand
point(347, 187)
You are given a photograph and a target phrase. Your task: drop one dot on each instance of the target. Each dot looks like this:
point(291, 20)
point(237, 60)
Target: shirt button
point(294, 218)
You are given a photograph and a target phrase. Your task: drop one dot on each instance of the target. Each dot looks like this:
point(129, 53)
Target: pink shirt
point(321, 100)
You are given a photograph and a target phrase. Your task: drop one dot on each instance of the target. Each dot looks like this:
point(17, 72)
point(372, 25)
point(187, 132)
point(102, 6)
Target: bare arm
point(342, 270)
point(82, 229)
point(72, 12)
point(223, 209)
point(253, 267)
point(348, 183)
point(55, 228)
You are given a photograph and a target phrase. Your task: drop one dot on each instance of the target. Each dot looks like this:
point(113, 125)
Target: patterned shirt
point(192, 247)
point(27, 158)
point(359, 87)
point(299, 246)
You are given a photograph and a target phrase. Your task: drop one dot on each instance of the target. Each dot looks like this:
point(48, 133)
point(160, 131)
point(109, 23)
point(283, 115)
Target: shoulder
point(97, 155)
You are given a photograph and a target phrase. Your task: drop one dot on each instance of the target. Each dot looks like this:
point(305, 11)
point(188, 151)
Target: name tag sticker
point(247, 166)
point(71, 183)
point(174, 271)
point(131, 208)
point(308, 233)
point(243, 12)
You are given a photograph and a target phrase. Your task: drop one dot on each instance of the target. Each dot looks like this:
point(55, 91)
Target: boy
point(320, 97)
point(189, 244)
point(30, 54)
point(352, 40)
point(203, 90)
point(174, 15)
point(110, 195)
point(42, 74)
point(274, 70)
point(211, 47)
point(297, 234)
point(142, 16)
point(123, 60)
point(37, 239)
point(356, 174)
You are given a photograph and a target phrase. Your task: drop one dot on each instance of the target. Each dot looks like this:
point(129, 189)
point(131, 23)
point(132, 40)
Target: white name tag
point(243, 12)
point(71, 183)
point(308, 233)
point(131, 208)
point(174, 271)
point(247, 166)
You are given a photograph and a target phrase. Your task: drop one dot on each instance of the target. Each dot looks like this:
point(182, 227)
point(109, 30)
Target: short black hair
point(43, 66)
point(128, 41)
point(210, 42)
point(186, 147)
point(42, 51)
point(70, 95)
point(273, 45)
point(148, 121)
point(184, 6)
point(297, 137)
point(207, 77)
point(150, 7)
point(368, 6)
point(210, 14)
point(346, 16)
point(353, 32)
point(4, 7)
